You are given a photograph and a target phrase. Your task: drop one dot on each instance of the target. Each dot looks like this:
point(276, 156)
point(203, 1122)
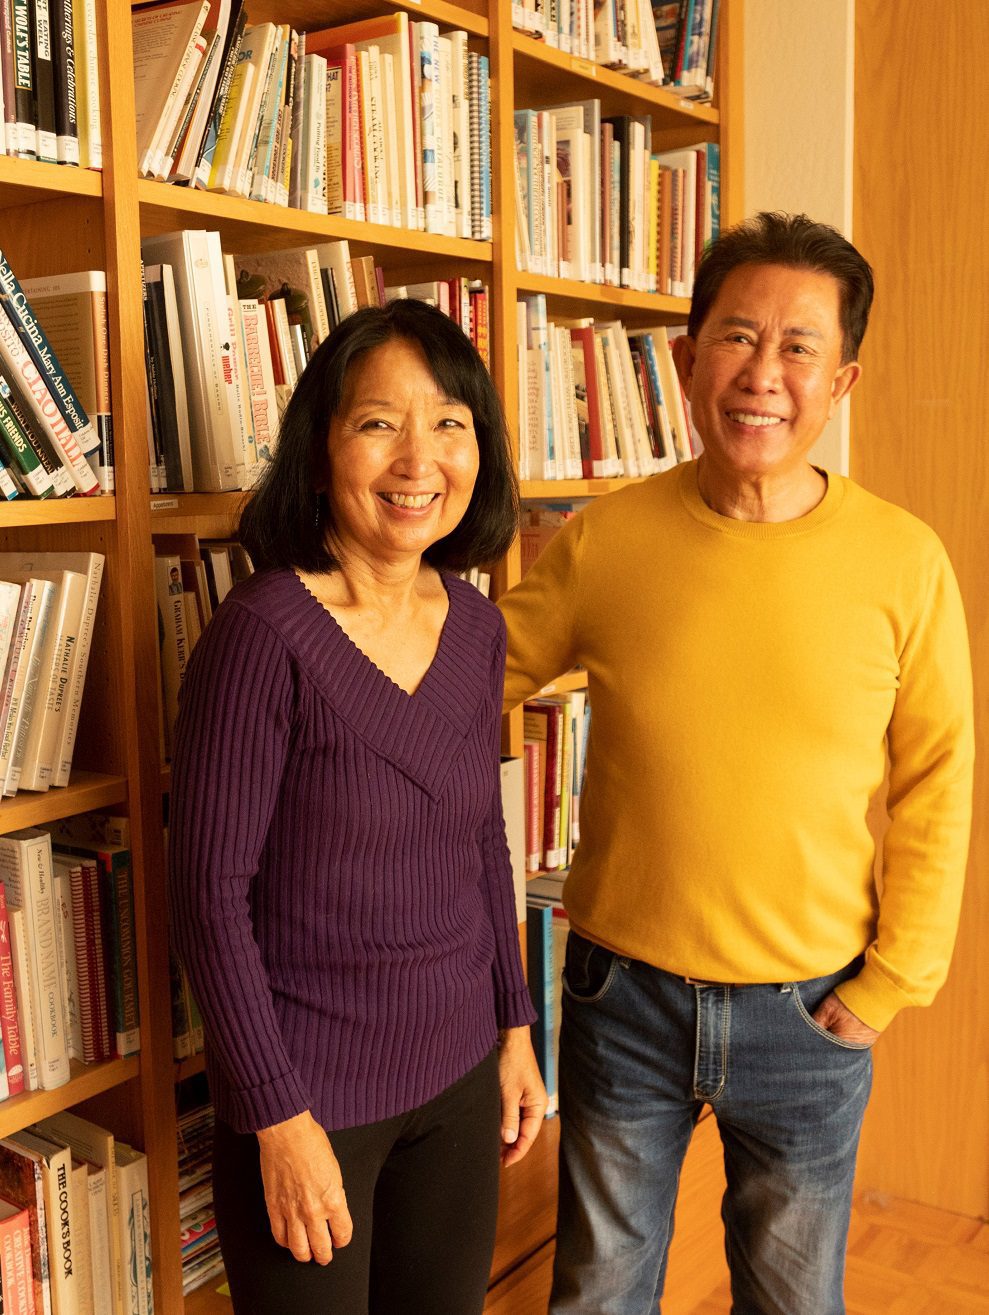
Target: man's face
point(764, 374)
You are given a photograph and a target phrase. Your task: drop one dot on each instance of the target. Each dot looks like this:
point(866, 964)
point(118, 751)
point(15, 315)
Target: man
point(757, 635)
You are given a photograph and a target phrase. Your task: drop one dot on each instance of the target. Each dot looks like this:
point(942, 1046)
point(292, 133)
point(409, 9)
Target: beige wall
point(798, 79)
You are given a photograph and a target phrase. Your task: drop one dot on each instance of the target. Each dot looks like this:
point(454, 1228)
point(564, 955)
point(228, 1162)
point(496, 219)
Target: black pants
point(422, 1189)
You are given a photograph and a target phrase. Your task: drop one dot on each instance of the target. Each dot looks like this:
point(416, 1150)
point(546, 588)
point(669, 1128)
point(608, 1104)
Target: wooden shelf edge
point(85, 791)
point(631, 88)
point(86, 1080)
point(557, 490)
point(649, 303)
point(26, 181)
point(57, 511)
point(283, 223)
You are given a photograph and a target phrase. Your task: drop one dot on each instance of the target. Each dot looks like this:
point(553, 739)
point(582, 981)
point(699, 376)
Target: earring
point(316, 522)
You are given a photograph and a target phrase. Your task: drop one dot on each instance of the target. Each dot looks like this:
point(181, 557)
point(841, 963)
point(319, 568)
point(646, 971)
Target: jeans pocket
point(805, 1014)
point(589, 969)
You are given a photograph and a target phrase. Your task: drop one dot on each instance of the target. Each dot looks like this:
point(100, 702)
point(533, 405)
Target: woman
point(341, 890)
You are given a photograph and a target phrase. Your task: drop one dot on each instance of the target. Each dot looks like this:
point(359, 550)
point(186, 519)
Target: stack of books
point(665, 44)
point(49, 89)
point(555, 728)
point(381, 120)
point(56, 429)
point(227, 336)
point(75, 1229)
point(68, 955)
point(593, 201)
point(598, 401)
point(546, 932)
point(201, 1258)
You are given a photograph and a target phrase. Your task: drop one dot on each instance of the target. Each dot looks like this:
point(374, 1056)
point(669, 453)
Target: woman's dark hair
point(772, 238)
point(278, 525)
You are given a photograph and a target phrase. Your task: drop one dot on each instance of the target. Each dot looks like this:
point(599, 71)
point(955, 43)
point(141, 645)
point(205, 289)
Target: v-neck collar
point(421, 733)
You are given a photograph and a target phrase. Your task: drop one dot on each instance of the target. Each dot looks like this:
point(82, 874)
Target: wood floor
point(903, 1259)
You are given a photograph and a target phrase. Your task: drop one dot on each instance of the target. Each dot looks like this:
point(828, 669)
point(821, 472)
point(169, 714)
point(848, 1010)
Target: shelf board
point(22, 182)
point(557, 490)
point(86, 1080)
point(188, 1068)
point(258, 226)
point(471, 16)
point(85, 791)
point(207, 1300)
point(641, 307)
point(543, 74)
point(565, 684)
point(212, 515)
point(57, 511)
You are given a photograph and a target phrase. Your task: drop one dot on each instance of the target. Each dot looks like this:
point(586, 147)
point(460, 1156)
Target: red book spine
point(551, 818)
point(8, 1006)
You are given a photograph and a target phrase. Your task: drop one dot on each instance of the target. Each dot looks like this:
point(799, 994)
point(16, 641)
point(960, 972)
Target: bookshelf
point(55, 219)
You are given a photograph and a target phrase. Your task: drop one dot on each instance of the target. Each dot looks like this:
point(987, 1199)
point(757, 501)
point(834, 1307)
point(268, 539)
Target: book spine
point(117, 901)
point(8, 1006)
point(66, 110)
point(35, 478)
point(16, 305)
point(53, 1055)
point(204, 164)
point(88, 85)
point(15, 736)
point(84, 929)
point(43, 447)
point(44, 81)
point(64, 750)
point(27, 147)
point(485, 97)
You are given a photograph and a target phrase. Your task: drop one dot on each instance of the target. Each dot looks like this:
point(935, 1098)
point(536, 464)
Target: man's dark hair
point(278, 526)
point(772, 238)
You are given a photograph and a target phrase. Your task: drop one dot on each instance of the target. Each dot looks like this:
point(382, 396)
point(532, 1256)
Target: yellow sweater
point(744, 681)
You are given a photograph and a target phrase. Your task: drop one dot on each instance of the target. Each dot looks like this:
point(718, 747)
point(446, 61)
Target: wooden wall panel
point(920, 438)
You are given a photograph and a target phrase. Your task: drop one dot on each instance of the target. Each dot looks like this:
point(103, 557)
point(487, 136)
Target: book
point(27, 876)
point(9, 1022)
point(71, 676)
point(73, 309)
point(74, 835)
point(15, 1260)
point(166, 40)
point(55, 1165)
point(540, 975)
point(89, 1142)
point(23, 992)
point(204, 319)
point(21, 1186)
point(86, 39)
point(20, 692)
point(134, 1224)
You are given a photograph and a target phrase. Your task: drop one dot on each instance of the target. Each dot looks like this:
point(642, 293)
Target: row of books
point(546, 932)
point(75, 1234)
point(49, 82)
point(201, 1258)
point(383, 120)
point(68, 969)
point(593, 201)
point(48, 604)
point(555, 728)
point(192, 578)
point(226, 337)
point(56, 430)
point(666, 44)
point(598, 401)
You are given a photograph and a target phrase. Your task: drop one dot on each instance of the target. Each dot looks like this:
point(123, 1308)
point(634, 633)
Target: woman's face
point(402, 458)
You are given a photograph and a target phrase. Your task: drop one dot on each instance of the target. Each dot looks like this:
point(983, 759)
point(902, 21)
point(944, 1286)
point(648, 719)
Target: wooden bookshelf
point(57, 219)
point(85, 1081)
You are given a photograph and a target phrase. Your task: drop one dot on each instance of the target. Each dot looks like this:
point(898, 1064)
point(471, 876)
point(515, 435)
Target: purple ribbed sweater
point(340, 882)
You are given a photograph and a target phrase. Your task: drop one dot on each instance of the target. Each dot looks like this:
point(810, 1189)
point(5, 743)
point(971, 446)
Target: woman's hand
point(303, 1189)
point(523, 1096)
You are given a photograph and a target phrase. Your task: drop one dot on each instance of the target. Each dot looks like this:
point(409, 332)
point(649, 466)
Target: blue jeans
point(641, 1052)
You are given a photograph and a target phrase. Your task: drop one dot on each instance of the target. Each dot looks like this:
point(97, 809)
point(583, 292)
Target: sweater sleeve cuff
point(514, 1010)
point(259, 1107)
point(872, 997)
